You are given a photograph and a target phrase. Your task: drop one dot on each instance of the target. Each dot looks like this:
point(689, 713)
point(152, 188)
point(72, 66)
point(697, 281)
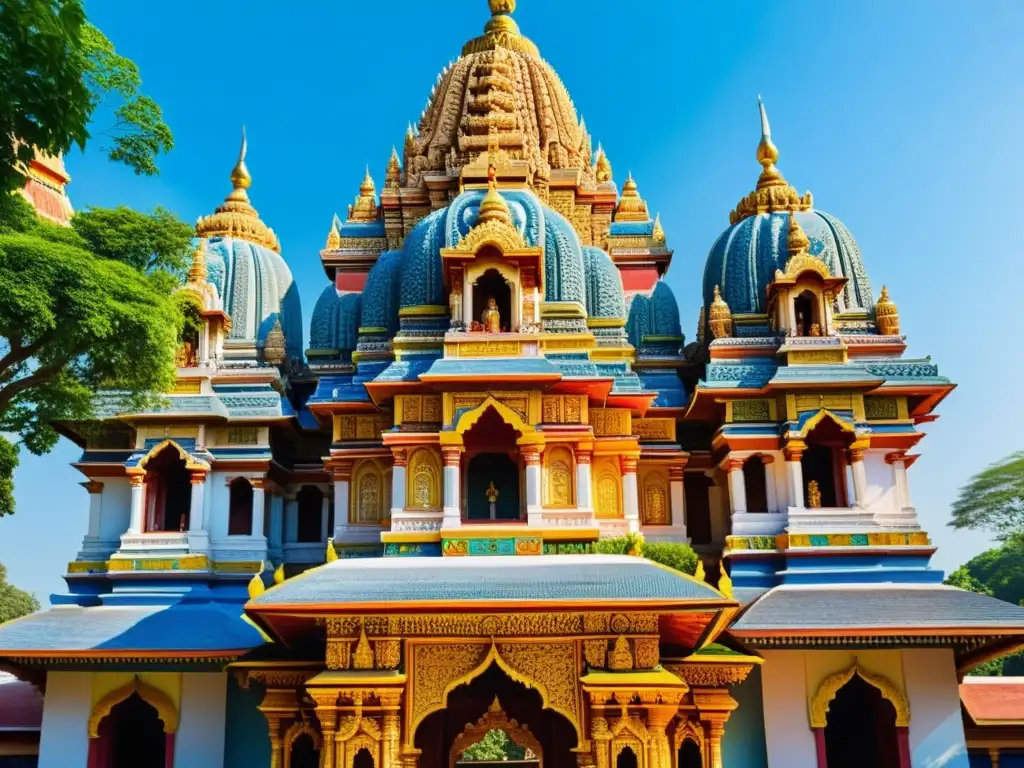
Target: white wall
point(116, 503)
point(790, 741)
point(881, 492)
point(64, 741)
point(217, 498)
point(936, 725)
point(200, 739)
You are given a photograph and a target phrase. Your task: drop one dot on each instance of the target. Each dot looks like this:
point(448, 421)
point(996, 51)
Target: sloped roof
point(993, 700)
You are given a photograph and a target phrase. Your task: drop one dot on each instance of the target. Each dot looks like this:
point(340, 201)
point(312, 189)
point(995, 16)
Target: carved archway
point(830, 687)
point(297, 729)
point(494, 719)
point(191, 462)
point(688, 731)
point(817, 418)
point(160, 701)
point(469, 418)
point(629, 733)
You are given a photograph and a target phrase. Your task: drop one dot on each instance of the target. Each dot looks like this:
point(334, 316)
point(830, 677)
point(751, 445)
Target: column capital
point(734, 464)
point(895, 457)
point(197, 476)
point(258, 483)
point(855, 454)
point(92, 486)
point(531, 454)
point(793, 450)
point(452, 455)
point(341, 471)
point(676, 473)
point(584, 457)
point(137, 480)
point(628, 465)
point(401, 456)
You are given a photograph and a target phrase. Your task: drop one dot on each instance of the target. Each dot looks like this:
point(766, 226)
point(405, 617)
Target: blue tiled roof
point(182, 627)
point(338, 389)
point(817, 374)
point(407, 581)
point(408, 369)
point(631, 228)
point(841, 610)
point(523, 366)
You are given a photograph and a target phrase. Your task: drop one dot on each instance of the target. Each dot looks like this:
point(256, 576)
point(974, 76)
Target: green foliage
point(72, 323)
point(56, 71)
point(148, 242)
point(14, 602)
point(495, 746)
point(680, 557)
point(999, 573)
point(993, 500)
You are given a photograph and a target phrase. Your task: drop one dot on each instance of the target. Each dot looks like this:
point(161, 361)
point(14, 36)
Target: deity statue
point(455, 303)
point(813, 495)
point(815, 329)
point(491, 317)
point(492, 497)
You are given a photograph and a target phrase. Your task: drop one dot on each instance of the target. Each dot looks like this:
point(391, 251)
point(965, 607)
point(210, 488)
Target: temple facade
point(377, 550)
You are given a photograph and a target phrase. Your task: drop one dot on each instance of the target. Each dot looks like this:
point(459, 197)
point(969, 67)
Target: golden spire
point(719, 316)
point(724, 582)
point(333, 236)
point(366, 186)
point(410, 140)
point(887, 316)
point(493, 207)
point(393, 174)
point(631, 206)
point(362, 658)
point(365, 206)
point(797, 240)
point(699, 574)
point(500, 31)
point(658, 234)
point(197, 272)
point(240, 176)
point(773, 193)
point(603, 166)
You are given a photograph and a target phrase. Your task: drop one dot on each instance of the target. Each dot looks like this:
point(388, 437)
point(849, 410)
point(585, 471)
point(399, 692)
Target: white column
point(291, 519)
point(769, 483)
point(452, 487)
point(259, 504)
point(737, 485)
point(677, 498)
point(630, 495)
point(398, 480)
point(793, 452)
point(342, 481)
point(584, 487)
point(138, 503)
point(899, 476)
point(201, 732)
point(95, 489)
point(196, 523)
point(534, 502)
point(860, 477)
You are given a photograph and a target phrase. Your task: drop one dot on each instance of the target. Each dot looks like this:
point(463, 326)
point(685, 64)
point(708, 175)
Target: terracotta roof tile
point(991, 701)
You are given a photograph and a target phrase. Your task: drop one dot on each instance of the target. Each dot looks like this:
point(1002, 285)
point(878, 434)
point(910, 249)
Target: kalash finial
point(603, 166)
point(767, 152)
point(240, 177)
point(887, 316)
point(197, 272)
point(493, 207)
point(797, 241)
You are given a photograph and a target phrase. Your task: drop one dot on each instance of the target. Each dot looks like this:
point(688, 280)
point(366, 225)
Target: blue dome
point(657, 315)
point(563, 260)
point(335, 321)
point(422, 281)
point(604, 285)
point(380, 294)
point(743, 260)
point(257, 289)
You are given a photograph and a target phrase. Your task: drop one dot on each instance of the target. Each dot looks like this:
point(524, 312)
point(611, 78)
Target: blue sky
point(904, 119)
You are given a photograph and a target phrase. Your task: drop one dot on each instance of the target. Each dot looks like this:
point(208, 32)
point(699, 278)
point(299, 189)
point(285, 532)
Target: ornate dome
point(335, 322)
point(605, 297)
point(380, 296)
point(499, 83)
point(655, 316)
point(245, 265)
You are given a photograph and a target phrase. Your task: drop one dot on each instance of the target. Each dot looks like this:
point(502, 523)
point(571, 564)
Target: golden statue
point(813, 495)
point(492, 499)
point(491, 317)
point(455, 303)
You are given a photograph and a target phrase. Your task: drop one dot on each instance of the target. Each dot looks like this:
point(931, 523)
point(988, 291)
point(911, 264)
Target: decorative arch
point(297, 729)
point(631, 733)
point(498, 234)
point(423, 483)
point(688, 730)
point(366, 503)
point(817, 418)
point(160, 701)
point(607, 492)
point(655, 506)
point(509, 273)
point(468, 419)
point(494, 719)
point(191, 462)
point(830, 687)
point(558, 477)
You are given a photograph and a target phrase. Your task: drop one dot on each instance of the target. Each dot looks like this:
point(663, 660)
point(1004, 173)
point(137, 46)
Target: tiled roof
point(993, 700)
point(200, 628)
point(408, 581)
point(21, 706)
point(835, 610)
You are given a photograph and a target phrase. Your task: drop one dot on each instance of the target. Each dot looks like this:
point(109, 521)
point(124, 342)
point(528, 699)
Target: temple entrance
point(689, 755)
point(861, 728)
point(626, 758)
point(304, 753)
point(498, 469)
point(168, 492)
point(491, 285)
point(463, 733)
point(134, 735)
point(824, 465)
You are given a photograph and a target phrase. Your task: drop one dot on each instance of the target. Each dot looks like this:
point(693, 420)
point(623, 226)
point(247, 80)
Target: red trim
point(350, 281)
point(903, 741)
point(94, 754)
point(819, 745)
point(169, 750)
point(642, 279)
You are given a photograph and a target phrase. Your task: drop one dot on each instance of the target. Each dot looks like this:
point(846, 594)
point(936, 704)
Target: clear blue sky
point(904, 119)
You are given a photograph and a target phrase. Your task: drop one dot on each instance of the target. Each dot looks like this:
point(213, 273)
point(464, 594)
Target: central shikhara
point(496, 380)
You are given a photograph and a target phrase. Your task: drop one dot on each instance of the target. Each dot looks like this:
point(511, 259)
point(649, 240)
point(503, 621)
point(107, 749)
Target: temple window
point(492, 302)
point(755, 483)
point(698, 507)
point(807, 314)
point(654, 496)
point(861, 728)
point(133, 734)
point(240, 507)
point(689, 755)
point(168, 492)
point(310, 500)
point(824, 466)
point(626, 758)
point(492, 481)
point(607, 489)
point(363, 759)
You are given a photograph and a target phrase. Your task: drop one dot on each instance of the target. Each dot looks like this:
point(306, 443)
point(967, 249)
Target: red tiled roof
point(21, 706)
point(994, 700)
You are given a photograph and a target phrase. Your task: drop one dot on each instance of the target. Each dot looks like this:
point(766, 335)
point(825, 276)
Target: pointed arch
point(494, 719)
point(817, 418)
point(160, 701)
point(831, 685)
point(469, 418)
point(191, 462)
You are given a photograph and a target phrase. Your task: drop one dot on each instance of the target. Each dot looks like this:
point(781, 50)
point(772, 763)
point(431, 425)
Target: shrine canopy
point(690, 612)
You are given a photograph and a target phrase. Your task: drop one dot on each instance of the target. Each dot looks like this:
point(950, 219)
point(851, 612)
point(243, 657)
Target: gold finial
point(410, 141)
point(393, 174)
point(366, 186)
point(719, 316)
point(887, 316)
point(501, 6)
point(767, 152)
point(658, 234)
point(333, 236)
point(724, 582)
point(699, 574)
point(332, 553)
point(363, 656)
point(631, 206)
point(256, 585)
point(603, 166)
point(495, 707)
point(797, 241)
point(493, 207)
point(279, 574)
point(197, 272)
point(500, 31)
point(240, 177)
point(365, 206)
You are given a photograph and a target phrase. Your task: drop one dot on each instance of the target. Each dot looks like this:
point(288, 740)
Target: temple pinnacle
point(240, 177)
point(767, 152)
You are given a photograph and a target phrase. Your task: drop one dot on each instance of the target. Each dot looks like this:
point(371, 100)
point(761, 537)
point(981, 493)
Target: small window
point(240, 508)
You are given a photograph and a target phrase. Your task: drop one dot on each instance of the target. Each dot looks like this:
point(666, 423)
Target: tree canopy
point(57, 72)
point(993, 500)
point(495, 746)
point(14, 602)
point(75, 319)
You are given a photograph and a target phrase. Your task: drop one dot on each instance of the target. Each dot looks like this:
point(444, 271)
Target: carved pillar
point(716, 729)
point(452, 456)
point(898, 461)
point(196, 524)
point(342, 480)
point(584, 488)
point(276, 743)
point(794, 452)
point(677, 497)
point(531, 457)
point(658, 717)
point(327, 758)
point(601, 737)
point(737, 485)
point(860, 476)
point(769, 483)
point(391, 757)
point(95, 489)
point(259, 504)
point(630, 494)
point(410, 757)
point(326, 712)
point(138, 503)
point(398, 481)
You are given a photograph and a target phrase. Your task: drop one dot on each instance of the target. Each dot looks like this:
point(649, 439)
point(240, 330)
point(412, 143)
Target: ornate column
point(534, 510)
point(599, 732)
point(326, 711)
point(95, 490)
point(737, 485)
point(584, 487)
point(716, 729)
point(389, 700)
point(342, 481)
point(793, 452)
point(452, 455)
point(898, 461)
point(855, 454)
point(138, 503)
point(769, 483)
point(398, 479)
point(630, 494)
point(259, 504)
point(677, 497)
point(658, 718)
point(410, 757)
point(196, 524)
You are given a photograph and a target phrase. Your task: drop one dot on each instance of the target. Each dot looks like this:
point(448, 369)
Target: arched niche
point(607, 481)
point(302, 745)
point(490, 272)
point(826, 436)
point(559, 477)
point(310, 506)
point(423, 481)
point(688, 743)
point(830, 686)
point(630, 742)
point(655, 506)
point(368, 493)
point(240, 507)
point(168, 483)
point(133, 725)
point(755, 483)
point(494, 719)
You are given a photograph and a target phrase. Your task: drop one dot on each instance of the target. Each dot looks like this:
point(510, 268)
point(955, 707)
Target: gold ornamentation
point(365, 206)
point(611, 422)
point(813, 495)
point(339, 654)
point(655, 503)
point(602, 166)
point(621, 658)
point(242, 436)
point(333, 237)
point(153, 696)
point(438, 669)
point(274, 347)
point(772, 193)
point(631, 206)
point(881, 408)
point(388, 653)
point(424, 477)
point(646, 651)
point(887, 316)
point(831, 685)
point(655, 429)
point(363, 657)
point(490, 318)
point(699, 573)
point(551, 668)
point(493, 207)
point(720, 317)
point(393, 174)
point(498, 233)
point(751, 410)
point(256, 585)
point(658, 234)
point(724, 582)
point(494, 719)
point(332, 553)
point(595, 652)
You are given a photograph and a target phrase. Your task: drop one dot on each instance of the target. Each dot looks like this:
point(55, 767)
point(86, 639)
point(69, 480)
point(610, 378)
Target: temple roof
point(21, 705)
point(993, 700)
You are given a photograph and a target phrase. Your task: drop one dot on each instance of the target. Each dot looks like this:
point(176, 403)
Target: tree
point(73, 322)
point(993, 500)
point(148, 242)
point(56, 71)
point(14, 602)
point(495, 746)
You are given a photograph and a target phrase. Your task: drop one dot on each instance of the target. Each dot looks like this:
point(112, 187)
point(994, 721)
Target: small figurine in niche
point(492, 501)
point(491, 317)
point(813, 495)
